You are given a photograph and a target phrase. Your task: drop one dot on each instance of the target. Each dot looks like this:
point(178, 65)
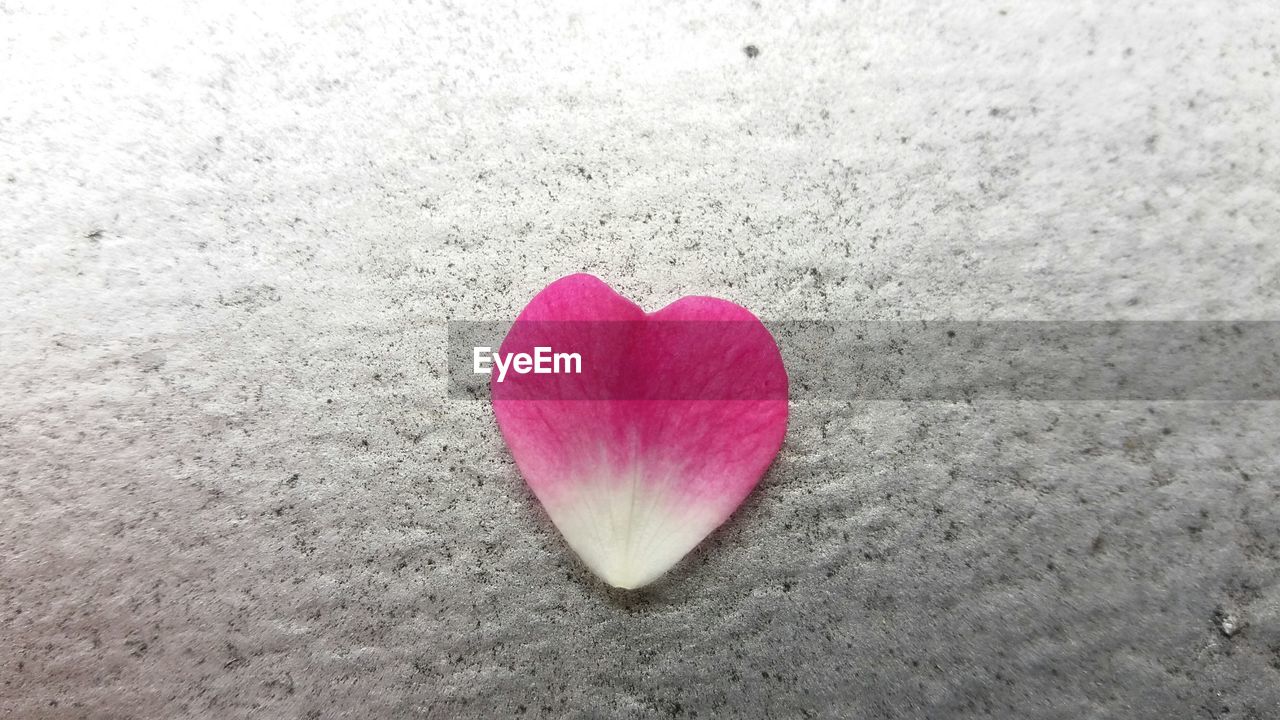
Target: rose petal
point(675, 416)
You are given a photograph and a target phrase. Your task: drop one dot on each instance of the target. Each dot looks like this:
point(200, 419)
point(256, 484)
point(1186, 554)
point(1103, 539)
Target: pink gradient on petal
point(689, 400)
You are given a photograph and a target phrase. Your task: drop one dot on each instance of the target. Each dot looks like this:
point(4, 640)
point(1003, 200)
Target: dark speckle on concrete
point(752, 51)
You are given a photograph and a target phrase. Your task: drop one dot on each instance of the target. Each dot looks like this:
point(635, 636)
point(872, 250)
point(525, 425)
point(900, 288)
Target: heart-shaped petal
point(655, 436)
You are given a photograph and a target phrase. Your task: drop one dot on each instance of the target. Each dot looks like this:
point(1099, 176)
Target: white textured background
point(232, 484)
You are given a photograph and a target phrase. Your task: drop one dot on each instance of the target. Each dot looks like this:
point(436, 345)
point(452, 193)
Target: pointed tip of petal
point(628, 530)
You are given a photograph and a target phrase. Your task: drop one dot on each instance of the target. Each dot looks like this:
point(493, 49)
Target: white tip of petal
point(628, 531)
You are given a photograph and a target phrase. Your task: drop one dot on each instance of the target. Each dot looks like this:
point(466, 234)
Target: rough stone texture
point(232, 483)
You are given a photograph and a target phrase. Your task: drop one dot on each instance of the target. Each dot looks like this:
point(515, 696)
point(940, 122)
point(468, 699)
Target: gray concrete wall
point(232, 482)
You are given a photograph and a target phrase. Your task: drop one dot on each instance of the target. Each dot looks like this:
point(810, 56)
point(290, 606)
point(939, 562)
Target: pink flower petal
point(672, 420)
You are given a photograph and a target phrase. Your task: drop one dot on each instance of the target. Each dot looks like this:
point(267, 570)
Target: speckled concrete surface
point(232, 483)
